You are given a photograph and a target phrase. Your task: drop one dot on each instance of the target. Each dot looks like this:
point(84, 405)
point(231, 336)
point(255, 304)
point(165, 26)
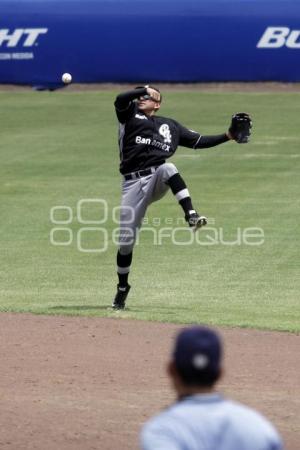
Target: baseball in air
point(66, 78)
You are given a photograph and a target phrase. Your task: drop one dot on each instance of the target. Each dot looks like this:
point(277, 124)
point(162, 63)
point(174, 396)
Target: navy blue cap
point(198, 354)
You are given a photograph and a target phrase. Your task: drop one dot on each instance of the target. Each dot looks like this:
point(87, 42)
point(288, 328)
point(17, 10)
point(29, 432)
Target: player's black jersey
point(147, 141)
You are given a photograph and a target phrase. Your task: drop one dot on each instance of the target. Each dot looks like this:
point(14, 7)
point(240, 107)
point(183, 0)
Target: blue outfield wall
point(156, 40)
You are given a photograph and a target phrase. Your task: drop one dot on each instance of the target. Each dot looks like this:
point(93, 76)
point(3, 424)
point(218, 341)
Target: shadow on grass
point(163, 309)
point(79, 307)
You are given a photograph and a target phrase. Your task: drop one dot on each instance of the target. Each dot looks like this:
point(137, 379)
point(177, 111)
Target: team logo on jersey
point(164, 131)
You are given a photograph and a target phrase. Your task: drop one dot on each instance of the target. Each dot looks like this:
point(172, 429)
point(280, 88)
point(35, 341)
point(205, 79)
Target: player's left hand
point(153, 94)
point(240, 127)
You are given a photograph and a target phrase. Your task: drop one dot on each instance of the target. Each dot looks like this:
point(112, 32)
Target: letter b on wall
point(277, 37)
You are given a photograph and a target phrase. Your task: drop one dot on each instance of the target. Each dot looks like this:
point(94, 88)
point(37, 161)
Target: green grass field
point(59, 148)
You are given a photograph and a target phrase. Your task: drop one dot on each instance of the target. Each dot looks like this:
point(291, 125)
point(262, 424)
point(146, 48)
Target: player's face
point(147, 104)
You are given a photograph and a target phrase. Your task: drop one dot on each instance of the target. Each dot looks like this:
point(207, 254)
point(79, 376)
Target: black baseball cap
point(197, 355)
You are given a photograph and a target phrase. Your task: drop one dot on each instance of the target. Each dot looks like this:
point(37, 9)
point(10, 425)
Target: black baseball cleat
point(195, 221)
point(121, 295)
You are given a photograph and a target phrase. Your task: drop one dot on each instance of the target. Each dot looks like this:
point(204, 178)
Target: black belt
point(140, 173)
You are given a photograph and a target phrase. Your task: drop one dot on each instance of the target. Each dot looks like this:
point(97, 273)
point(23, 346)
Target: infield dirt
point(90, 383)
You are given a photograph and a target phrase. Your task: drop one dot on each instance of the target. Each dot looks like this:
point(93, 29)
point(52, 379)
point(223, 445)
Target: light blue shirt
point(209, 422)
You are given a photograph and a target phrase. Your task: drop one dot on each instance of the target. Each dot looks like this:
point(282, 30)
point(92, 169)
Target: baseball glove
point(240, 127)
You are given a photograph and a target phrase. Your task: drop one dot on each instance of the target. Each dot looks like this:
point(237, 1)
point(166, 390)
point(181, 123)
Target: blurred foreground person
point(201, 418)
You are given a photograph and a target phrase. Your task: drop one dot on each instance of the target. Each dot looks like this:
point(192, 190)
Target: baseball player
point(145, 142)
point(201, 418)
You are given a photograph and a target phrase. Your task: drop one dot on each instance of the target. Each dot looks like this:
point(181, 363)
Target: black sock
point(123, 263)
point(177, 184)
point(123, 279)
point(186, 204)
